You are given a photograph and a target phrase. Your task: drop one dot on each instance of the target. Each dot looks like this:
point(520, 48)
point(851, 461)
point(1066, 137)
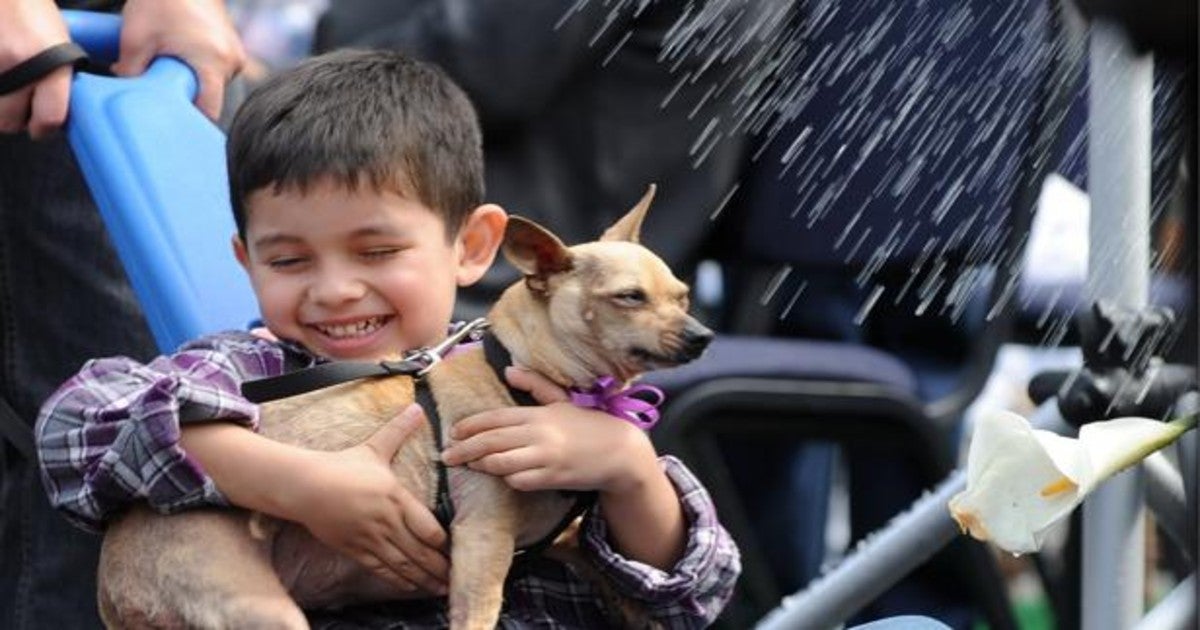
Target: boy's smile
point(352, 274)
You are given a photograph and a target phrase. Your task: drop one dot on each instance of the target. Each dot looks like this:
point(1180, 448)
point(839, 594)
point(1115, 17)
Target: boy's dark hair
point(359, 117)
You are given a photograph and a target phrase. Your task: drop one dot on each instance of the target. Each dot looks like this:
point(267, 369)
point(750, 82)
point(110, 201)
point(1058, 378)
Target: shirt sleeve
point(109, 436)
point(696, 589)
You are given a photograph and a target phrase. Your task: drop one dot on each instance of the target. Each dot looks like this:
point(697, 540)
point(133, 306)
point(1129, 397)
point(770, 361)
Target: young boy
point(356, 181)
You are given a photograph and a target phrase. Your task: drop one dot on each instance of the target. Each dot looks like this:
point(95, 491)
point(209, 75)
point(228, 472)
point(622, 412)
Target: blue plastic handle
point(100, 35)
point(156, 168)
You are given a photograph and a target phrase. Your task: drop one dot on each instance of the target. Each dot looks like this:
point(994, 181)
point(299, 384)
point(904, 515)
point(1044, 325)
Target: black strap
point(443, 507)
point(33, 69)
point(499, 358)
point(321, 376)
point(13, 429)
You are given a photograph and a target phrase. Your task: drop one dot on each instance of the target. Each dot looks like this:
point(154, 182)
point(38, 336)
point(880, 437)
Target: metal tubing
point(1176, 611)
point(885, 556)
point(1118, 269)
point(1167, 500)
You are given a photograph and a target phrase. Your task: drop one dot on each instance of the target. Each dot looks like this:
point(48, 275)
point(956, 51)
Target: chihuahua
point(609, 307)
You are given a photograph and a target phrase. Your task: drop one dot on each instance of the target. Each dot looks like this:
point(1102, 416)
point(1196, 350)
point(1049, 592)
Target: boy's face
point(362, 274)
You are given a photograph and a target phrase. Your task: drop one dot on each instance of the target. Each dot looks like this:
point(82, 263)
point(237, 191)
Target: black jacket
point(585, 104)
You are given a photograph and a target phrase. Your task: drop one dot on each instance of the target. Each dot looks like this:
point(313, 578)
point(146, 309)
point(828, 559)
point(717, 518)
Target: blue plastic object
point(156, 167)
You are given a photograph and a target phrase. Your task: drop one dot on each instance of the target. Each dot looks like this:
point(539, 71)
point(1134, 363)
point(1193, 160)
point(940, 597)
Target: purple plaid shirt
point(110, 436)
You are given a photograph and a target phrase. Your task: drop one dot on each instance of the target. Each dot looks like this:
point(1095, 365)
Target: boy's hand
point(351, 501)
point(198, 31)
point(556, 446)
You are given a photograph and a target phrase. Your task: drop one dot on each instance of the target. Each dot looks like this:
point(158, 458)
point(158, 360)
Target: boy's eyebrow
point(275, 239)
point(288, 239)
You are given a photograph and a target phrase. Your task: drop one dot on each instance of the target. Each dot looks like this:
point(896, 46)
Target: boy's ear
point(533, 249)
point(629, 227)
point(478, 241)
point(240, 253)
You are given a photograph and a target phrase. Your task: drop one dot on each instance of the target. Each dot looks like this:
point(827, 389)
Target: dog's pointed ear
point(533, 250)
point(629, 227)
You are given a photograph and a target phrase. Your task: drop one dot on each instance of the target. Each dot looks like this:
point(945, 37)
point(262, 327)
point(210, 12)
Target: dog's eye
point(631, 297)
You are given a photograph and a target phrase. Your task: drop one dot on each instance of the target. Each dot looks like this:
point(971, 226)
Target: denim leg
point(63, 300)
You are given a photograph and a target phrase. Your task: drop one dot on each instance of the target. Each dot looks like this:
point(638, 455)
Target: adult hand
point(351, 501)
point(198, 31)
point(27, 27)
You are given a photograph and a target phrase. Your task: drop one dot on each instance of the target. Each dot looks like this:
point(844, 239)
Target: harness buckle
point(429, 357)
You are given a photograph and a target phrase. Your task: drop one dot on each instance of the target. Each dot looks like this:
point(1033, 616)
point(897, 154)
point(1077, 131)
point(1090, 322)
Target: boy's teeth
point(356, 329)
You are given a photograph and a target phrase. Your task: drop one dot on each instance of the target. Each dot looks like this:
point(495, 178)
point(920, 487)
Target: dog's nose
point(696, 338)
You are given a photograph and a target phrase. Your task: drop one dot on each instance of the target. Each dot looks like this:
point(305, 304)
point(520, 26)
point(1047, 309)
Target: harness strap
point(38, 66)
point(323, 375)
point(443, 507)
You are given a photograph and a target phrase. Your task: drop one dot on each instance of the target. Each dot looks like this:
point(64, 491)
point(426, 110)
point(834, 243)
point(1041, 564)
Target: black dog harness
point(416, 364)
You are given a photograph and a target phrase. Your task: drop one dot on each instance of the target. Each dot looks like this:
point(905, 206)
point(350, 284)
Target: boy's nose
point(332, 289)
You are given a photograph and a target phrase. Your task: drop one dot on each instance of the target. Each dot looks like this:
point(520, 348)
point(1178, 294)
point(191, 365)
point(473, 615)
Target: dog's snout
point(696, 337)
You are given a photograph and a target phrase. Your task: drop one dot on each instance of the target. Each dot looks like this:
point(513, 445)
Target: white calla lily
point(1020, 480)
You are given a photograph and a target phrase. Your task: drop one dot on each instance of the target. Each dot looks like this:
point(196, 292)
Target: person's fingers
point(487, 421)
point(14, 111)
point(543, 390)
point(425, 526)
point(495, 440)
point(48, 109)
point(388, 438)
point(509, 462)
point(416, 563)
point(210, 94)
point(401, 563)
point(136, 52)
point(381, 570)
point(533, 479)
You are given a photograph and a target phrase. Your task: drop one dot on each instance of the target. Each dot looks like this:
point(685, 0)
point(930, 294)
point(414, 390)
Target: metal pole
point(1118, 269)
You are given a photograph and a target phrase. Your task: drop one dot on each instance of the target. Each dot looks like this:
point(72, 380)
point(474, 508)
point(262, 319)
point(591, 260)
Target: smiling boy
point(356, 181)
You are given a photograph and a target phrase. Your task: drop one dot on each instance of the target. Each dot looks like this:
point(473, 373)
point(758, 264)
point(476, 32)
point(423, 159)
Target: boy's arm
point(699, 584)
point(109, 436)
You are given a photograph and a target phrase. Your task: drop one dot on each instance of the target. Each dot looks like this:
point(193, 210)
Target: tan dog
point(609, 307)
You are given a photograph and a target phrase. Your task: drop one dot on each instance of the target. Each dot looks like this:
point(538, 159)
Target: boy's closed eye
point(286, 262)
point(381, 253)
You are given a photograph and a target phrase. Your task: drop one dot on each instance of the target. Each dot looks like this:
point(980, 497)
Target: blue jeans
point(63, 300)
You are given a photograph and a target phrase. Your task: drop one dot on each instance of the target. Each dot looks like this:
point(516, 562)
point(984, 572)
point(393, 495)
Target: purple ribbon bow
point(608, 396)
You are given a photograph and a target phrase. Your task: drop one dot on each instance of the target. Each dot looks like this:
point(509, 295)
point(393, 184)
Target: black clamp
point(1122, 373)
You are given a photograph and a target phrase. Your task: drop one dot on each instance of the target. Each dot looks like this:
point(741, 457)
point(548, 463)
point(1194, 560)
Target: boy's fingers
point(428, 567)
point(381, 570)
point(403, 566)
point(488, 420)
point(387, 440)
point(484, 443)
point(543, 390)
point(425, 527)
point(531, 479)
point(507, 463)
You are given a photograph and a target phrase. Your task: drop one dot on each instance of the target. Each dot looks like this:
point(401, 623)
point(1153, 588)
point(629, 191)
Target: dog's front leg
point(482, 541)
